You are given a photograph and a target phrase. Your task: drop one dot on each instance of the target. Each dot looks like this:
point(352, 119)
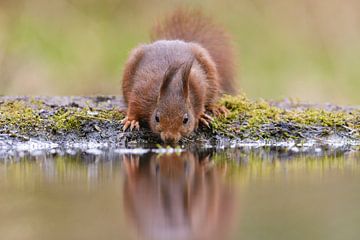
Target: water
point(245, 193)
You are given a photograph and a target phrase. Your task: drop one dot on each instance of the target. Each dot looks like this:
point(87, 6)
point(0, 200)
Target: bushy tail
point(193, 26)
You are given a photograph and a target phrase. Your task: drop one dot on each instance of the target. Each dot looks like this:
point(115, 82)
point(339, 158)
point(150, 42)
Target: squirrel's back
point(193, 26)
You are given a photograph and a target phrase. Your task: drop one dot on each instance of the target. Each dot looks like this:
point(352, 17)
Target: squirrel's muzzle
point(170, 138)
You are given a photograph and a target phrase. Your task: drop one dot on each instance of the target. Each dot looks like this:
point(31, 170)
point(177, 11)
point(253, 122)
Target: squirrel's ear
point(169, 75)
point(185, 77)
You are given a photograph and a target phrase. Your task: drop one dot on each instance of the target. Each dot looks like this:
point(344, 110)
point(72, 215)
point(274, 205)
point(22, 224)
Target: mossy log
point(72, 120)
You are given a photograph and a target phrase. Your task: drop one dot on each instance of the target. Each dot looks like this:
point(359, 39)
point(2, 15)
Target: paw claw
point(124, 120)
point(220, 111)
point(205, 119)
point(130, 123)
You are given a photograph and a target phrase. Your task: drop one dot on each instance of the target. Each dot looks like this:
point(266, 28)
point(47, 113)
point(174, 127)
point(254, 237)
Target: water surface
point(245, 193)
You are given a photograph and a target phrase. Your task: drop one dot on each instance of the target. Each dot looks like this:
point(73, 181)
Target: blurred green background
point(304, 49)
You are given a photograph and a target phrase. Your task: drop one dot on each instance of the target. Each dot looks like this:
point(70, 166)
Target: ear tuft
point(169, 75)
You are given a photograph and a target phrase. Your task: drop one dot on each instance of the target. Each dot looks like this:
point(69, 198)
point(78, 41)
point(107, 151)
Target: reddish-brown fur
point(171, 82)
point(193, 26)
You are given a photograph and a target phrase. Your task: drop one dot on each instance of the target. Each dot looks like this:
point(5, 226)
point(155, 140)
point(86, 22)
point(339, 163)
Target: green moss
point(256, 120)
point(18, 114)
point(66, 120)
point(34, 115)
point(260, 120)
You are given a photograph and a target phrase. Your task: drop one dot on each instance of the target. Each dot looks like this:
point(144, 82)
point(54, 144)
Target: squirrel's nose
point(170, 137)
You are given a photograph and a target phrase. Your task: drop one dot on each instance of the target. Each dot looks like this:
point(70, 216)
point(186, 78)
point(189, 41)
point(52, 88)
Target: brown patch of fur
point(209, 67)
point(129, 71)
point(193, 26)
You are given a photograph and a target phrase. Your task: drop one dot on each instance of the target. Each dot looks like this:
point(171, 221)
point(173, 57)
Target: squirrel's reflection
point(177, 196)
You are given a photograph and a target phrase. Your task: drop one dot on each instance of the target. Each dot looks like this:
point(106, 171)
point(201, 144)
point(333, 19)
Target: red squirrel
point(171, 82)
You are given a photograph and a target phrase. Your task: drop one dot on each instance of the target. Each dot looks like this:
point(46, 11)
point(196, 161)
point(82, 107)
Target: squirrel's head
point(173, 116)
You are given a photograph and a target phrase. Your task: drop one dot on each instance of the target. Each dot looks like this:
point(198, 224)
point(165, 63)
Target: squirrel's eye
point(185, 119)
point(157, 117)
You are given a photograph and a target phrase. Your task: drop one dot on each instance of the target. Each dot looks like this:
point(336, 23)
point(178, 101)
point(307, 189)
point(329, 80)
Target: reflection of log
point(97, 119)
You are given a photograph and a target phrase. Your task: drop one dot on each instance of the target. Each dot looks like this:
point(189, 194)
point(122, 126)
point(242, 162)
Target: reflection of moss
point(252, 165)
point(254, 118)
point(35, 115)
point(27, 173)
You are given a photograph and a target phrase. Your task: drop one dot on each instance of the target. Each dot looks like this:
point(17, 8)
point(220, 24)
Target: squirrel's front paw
point(130, 123)
point(219, 111)
point(205, 119)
